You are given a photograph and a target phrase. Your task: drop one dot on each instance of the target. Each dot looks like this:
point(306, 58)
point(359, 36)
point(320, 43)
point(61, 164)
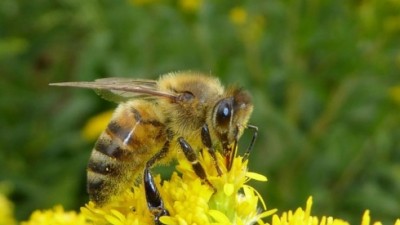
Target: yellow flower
point(190, 5)
point(96, 125)
point(225, 199)
point(391, 24)
point(6, 211)
point(55, 216)
point(189, 200)
point(394, 93)
point(238, 16)
point(304, 217)
point(250, 27)
point(143, 2)
point(233, 202)
point(129, 208)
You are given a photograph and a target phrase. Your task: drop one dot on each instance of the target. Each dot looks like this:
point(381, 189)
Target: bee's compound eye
point(223, 113)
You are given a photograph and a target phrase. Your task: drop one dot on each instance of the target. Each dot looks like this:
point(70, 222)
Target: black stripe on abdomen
point(109, 147)
point(117, 131)
point(104, 167)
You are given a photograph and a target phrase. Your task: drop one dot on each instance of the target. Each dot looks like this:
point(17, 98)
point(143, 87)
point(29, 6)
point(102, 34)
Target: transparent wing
point(118, 89)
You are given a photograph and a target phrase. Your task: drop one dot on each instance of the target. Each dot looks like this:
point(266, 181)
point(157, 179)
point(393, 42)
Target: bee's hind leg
point(153, 198)
point(154, 201)
point(190, 155)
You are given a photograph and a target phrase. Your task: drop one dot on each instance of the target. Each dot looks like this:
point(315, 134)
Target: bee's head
point(230, 115)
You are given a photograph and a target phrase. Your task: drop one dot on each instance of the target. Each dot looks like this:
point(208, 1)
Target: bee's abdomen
point(101, 169)
point(104, 169)
point(121, 151)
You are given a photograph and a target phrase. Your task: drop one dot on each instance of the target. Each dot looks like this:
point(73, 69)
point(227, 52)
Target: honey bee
point(180, 112)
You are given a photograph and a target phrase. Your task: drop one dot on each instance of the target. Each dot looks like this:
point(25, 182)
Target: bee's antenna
point(253, 140)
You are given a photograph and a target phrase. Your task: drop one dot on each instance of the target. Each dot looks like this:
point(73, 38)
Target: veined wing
point(118, 89)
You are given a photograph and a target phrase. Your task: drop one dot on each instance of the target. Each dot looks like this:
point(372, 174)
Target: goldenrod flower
point(129, 208)
point(304, 217)
point(233, 202)
point(6, 211)
point(55, 216)
point(189, 200)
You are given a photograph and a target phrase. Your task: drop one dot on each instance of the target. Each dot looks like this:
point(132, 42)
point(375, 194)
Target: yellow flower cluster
point(190, 5)
point(238, 16)
point(394, 92)
point(250, 27)
point(55, 216)
point(189, 200)
point(233, 202)
point(6, 211)
point(304, 217)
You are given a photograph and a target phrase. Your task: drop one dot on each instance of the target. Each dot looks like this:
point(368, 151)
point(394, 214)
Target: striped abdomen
point(132, 137)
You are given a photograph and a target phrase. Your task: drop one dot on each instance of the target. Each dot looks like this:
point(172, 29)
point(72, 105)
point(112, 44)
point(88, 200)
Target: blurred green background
point(324, 76)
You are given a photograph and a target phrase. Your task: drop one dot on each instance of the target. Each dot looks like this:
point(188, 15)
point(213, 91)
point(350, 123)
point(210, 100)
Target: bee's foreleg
point(190, 154)
point(206, 139)
point(153, 198)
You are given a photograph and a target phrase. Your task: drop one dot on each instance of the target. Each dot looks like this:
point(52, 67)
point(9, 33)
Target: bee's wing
point(120, 89)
